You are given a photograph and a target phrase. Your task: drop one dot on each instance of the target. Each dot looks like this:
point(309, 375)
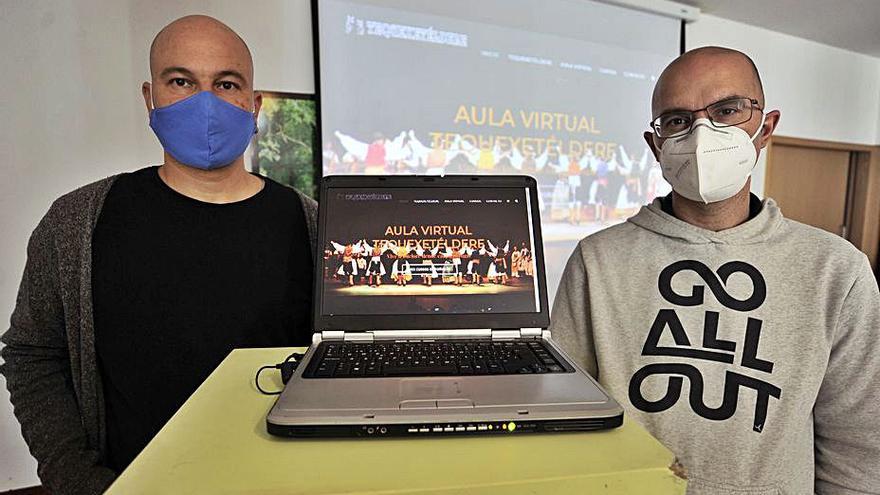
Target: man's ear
point(147, 91)
point(649, 138)
point(258, 103)
point(771, 120)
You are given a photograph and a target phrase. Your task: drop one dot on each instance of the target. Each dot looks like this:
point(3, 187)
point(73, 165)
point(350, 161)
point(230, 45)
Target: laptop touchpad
point(430, 388)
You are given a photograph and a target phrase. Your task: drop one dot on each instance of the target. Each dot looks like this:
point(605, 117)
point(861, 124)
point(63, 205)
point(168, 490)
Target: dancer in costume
point(467, 255)
point(485, 258)
point(375, 270)
point(349, 266)
point(501, 267)
point(401, 271)
point(456, 266)
point(515, 259)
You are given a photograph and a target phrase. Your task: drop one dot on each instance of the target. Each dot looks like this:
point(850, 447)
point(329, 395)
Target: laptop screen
point(431, 249)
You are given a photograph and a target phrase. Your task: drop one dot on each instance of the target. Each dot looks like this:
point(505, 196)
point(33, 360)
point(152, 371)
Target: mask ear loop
point(760, 127)
point(755, 135)
point(152, 103)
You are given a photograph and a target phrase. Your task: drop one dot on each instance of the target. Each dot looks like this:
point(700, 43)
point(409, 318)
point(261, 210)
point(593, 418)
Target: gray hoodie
point(752, 353)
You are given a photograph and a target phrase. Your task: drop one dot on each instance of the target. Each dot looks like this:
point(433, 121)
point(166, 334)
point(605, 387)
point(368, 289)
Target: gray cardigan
point(50, 366)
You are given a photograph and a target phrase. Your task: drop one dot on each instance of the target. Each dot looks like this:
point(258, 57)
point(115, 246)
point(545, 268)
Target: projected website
point(420, 251)
point(428, 94)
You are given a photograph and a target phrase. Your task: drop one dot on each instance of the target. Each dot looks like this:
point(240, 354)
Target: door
point(810, 184)
point(829, 185)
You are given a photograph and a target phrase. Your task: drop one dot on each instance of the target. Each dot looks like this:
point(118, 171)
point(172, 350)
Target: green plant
point(284, 148)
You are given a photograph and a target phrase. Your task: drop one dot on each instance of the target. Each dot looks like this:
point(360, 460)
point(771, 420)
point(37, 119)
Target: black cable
point(257, 381)
point(287, 368)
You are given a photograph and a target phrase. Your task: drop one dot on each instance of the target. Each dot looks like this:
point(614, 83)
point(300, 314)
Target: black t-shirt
point(755, 205)
point(178, 283)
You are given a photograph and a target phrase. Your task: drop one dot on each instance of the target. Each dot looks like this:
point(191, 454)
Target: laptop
point(430, 313)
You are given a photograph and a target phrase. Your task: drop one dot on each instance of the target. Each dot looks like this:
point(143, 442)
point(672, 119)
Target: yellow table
point(217, 443)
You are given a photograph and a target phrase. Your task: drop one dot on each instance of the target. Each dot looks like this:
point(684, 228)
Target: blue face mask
point(203, 131)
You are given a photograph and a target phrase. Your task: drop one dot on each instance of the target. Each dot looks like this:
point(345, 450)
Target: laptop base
point(445, 429)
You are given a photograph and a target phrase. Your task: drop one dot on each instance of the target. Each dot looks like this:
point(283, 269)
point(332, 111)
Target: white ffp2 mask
point(709, 164)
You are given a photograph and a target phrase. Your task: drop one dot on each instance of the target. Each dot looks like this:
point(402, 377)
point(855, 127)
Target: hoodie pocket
point(697, 486)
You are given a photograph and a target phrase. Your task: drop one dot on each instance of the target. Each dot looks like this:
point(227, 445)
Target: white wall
point(822, 92)
point(72, 110)
point(72, 113)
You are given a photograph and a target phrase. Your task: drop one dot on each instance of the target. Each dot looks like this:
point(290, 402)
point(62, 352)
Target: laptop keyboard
point(474, 357)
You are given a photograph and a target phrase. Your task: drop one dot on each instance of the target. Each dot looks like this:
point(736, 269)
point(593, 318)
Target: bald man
point(138, 285)
point(747, 343)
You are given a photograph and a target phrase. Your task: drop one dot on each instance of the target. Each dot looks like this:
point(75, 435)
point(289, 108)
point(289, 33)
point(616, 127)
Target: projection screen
point(557, 89)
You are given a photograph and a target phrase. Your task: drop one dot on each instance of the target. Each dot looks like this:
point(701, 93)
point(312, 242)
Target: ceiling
point(849, 24)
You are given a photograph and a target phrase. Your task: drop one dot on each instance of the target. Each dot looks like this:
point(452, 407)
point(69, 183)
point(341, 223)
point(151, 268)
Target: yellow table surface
point(217, 443)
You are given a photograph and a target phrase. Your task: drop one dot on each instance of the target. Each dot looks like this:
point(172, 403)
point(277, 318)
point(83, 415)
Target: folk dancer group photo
point(389, 262)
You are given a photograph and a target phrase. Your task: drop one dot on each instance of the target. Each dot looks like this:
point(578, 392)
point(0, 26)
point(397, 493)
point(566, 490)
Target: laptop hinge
point(332, 335)
point(348, 336)
point(531, 332)
point(515, 333)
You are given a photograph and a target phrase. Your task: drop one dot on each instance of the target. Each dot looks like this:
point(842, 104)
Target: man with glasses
point(747, 343)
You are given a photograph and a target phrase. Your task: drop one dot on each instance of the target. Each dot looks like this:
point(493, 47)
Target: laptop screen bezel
point(539, 319)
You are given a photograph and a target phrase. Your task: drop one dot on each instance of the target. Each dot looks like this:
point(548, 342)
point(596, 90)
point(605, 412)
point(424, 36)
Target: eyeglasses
point(724, 113)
